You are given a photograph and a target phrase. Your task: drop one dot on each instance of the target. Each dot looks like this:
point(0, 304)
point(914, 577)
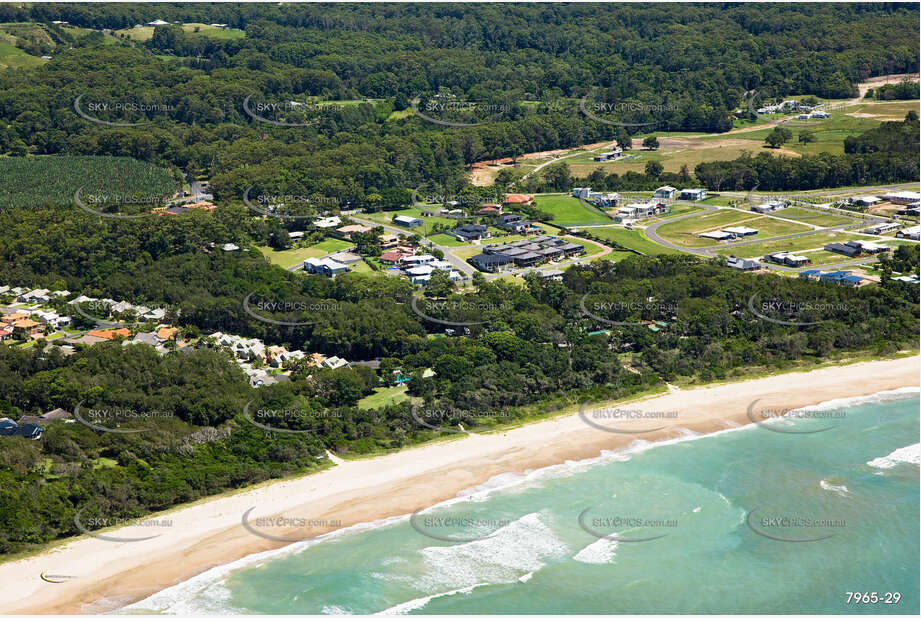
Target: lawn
point(383, 396)
point(293, 257)
point(568, 210)
point(447, 241)
point(632, 239)
point(590, 247)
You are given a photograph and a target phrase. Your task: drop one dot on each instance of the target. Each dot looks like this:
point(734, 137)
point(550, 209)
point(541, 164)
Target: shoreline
point(209, 533)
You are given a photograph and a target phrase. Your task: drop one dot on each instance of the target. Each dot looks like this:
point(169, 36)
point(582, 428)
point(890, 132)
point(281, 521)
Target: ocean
point(748, 520)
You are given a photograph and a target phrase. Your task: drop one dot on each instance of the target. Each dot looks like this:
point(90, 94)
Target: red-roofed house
point(518, 198)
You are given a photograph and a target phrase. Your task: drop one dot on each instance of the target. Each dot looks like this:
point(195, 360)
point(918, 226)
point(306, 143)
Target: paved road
point(653, 234)
point(709, 252)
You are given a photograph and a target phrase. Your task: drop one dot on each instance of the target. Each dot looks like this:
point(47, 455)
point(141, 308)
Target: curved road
point(708, 252)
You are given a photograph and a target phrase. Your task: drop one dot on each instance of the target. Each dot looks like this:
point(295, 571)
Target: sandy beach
point(97, 575)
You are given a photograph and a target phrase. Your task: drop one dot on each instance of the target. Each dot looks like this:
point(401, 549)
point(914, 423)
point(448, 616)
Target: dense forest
point(535, 351)
point(685, 67)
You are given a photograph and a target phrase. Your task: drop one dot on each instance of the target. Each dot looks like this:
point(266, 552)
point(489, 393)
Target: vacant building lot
point(793, 245)
point(632, 239)
point(813, 217)
point(685, 232)
point(568, 210)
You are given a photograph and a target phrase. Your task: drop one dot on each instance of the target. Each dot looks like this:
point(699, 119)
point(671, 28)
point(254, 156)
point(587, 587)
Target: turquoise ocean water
point(842, 506)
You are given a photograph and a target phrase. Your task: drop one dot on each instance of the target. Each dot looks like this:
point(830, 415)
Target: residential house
point(881, 228)
point(716, 235)
point(470, 232)
point(324, 266)
point(769, 206)
point(405, 221)
point(347, 231)
point(111, 333)
point(693, 195)
point(490, 210)
point(518, 198)
point(632, 212)
point(784, 257)
point(864, 201)
point(326, 223)
point(742, 264)
point(27, 327)
point(843, 249)
point(867, 246)
point(230, 247)
point(58, 414)
point(740, 231)
point(388, 241)
point(491, 263)
point(609, 156)
point(902, 197)
point(665, 193)
point(345, 257)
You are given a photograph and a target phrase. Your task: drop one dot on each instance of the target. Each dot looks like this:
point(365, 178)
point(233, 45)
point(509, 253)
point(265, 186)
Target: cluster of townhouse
point(419, 268)
point(524, 253)
point(26, 315)
point(246, 350)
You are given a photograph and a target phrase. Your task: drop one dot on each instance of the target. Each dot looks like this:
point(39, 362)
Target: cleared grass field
point(685, 232)
point(292, 257)
point(568, 210)
point(11, 57)
point(144, 33)
point(632, 239)
point(795, 245)
point(812, 217)
point(385, 217)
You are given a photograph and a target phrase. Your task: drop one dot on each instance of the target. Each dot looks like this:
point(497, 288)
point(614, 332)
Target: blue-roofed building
point(810, 274)
point(850, 280)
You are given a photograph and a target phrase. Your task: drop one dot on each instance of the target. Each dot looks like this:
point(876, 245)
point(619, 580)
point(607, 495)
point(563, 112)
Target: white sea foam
point(526, 577)
point(408, 606)
point(841, 490)
point(334, 610)
point(176, 598)
point(908, 454)
point(517, 548)
point(601, 551)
